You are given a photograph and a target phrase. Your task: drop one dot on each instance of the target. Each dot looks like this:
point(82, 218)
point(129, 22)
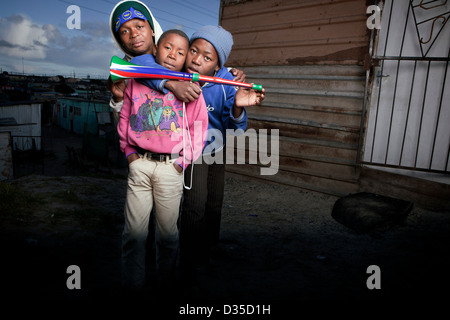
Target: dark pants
point(201, 215)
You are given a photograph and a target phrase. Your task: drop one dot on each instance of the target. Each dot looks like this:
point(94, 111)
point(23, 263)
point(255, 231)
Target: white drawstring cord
point(186, 126)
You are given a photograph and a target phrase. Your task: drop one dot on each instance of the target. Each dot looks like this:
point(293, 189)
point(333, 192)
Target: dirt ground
point(278, 243)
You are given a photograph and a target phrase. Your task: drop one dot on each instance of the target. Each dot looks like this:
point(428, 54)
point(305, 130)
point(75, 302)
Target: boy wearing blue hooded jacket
point(202, 206)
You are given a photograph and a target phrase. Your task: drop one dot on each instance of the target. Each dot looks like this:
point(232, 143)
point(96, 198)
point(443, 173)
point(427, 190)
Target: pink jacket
point(155, 122)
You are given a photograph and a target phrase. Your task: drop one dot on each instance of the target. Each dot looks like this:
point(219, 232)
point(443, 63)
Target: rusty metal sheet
point(271, 32)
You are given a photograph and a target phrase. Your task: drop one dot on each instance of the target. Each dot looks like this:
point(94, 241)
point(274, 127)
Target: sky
point(35, 38)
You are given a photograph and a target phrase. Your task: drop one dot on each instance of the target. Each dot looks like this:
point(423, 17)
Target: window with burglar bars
point(408, 123)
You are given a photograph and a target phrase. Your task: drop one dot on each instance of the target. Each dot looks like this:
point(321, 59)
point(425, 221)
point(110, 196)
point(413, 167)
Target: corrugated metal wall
point(84, 114)
point(309, 55)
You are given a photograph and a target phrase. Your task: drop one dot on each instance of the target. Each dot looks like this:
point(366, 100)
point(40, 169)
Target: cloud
point(22, 38)
point(6, 44)
point(47, 49)
point(54, 36)
point(98, 29)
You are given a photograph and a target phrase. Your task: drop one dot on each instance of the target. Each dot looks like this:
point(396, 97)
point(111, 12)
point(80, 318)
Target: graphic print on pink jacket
point(155, 122)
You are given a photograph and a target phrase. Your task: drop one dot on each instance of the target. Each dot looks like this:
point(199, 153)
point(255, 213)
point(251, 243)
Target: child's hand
point(248, 97)
point(132, 157)
point(117, 89)
point(184, 90)
point(239, 75)
point(178, 168)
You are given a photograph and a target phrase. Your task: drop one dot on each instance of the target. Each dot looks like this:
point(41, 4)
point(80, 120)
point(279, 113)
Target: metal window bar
point(381, 73)
point(421, 113)
point(438, 116)
point(408, 112)
point(426, 20)
point(396, 82)
point(399, 59)
point(421, 4)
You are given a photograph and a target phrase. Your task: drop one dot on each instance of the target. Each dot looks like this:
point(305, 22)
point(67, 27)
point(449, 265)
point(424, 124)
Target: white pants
point(150, 181)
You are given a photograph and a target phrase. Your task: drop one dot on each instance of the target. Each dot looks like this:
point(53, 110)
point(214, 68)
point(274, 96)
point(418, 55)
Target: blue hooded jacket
point(219, 100)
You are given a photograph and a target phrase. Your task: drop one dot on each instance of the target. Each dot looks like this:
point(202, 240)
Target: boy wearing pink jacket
point(160, 136)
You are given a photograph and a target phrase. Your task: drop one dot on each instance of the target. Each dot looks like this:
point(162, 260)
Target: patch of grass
point(16, 203)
